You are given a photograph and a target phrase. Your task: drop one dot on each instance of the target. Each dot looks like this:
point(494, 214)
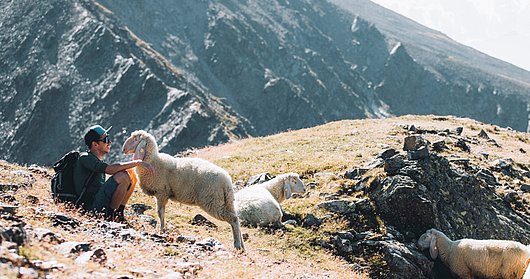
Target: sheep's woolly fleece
point(471, 258)
point(260, 204)
point(190, 181)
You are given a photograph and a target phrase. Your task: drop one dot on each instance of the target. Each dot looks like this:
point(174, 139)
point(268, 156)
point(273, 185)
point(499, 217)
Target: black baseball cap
point(94, 133)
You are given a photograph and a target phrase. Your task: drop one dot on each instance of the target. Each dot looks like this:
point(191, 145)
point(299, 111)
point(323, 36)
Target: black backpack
point(62, 183)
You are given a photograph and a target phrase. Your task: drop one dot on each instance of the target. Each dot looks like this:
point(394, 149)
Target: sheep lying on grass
point(471, 258)
point(259, 204)
point(186, 180)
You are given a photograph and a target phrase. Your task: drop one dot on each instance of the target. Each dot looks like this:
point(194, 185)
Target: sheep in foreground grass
point(471, 258)
point(190, 181)
point(259, 204)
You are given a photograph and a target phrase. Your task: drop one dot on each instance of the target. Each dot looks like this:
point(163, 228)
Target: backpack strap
point(85, 186)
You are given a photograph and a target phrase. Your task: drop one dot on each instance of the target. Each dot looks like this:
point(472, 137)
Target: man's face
point(103, 144)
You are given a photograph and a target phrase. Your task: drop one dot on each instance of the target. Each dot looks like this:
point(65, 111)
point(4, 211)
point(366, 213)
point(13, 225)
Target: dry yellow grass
point(320, 154)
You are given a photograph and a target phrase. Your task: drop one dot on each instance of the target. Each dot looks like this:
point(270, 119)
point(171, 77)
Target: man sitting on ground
point(108, 197)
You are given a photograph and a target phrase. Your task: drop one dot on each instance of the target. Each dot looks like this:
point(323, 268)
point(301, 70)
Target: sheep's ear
point(287, 190)
point(433, 249)
point(139, 154)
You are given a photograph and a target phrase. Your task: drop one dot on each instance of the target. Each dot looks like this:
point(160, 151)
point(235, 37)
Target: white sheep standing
point(259, 204)
point(190, 181)
point(472, 258)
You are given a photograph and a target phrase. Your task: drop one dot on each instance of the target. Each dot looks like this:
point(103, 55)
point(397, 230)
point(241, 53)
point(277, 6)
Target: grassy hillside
point(321, 155)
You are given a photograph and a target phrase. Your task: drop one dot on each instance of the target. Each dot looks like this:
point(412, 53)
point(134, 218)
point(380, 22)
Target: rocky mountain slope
point(373, 187)
point(67, 65)
point(204, 72)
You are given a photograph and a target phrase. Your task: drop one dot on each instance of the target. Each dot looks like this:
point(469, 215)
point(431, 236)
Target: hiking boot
point(118, 215)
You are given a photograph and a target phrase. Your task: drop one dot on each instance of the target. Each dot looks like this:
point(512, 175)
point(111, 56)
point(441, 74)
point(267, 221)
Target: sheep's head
point(428, 240)
point(293, 184)
point(136, 144)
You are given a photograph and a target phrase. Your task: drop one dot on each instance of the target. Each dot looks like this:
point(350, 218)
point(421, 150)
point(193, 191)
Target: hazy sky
point(499, 28)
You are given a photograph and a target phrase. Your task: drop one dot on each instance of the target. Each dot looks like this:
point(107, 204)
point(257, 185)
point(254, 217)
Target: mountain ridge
point(202, 73)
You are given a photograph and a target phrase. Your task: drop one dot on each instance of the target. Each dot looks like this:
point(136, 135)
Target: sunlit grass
point(321, 155)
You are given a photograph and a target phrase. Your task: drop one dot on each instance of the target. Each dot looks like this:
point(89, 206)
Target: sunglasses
point(105, 140)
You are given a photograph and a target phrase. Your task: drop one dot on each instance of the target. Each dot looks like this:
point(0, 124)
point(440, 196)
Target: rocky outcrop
point(419, 190)
point(430, 193)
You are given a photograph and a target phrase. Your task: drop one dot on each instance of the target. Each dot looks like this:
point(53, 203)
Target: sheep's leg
point(236, 231)
point(161, 209)
point(230, 217)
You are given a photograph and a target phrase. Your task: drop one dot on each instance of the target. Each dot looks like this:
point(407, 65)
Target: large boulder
point(431, 193)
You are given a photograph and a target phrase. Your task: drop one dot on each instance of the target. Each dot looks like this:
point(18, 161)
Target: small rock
point(346, 235)
point(525, 188)
point(502, 164)
point(487, 176)
point(338, 206)
point(439, 145)
point(393, 164)
point(148, 219)
point(361, 185)
point(463, 145)
point(364, 235)
point(376, 163)
point(140, 208)
point(414, 142)
point(343, 246)
point(16, 234)
point(210, 244)
point(129, 234)
point(510, 196)
point(312, 185)
point(259, 178)
point(28, 176)
point(9, 187)
point(459, 130)
point(4, 207)
point(420, 153)
point(48, 265)
point(73, 247)
point(460, 161)
point(311, 221)
point(354, 173)
point(483, 134)
point(200, 220)
point(42, 234)
point(186, 238)
point(64, 220)
point(363, 205)
point(324, 244)
point(484, 154)
point(32, 199)
point(387, 153)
